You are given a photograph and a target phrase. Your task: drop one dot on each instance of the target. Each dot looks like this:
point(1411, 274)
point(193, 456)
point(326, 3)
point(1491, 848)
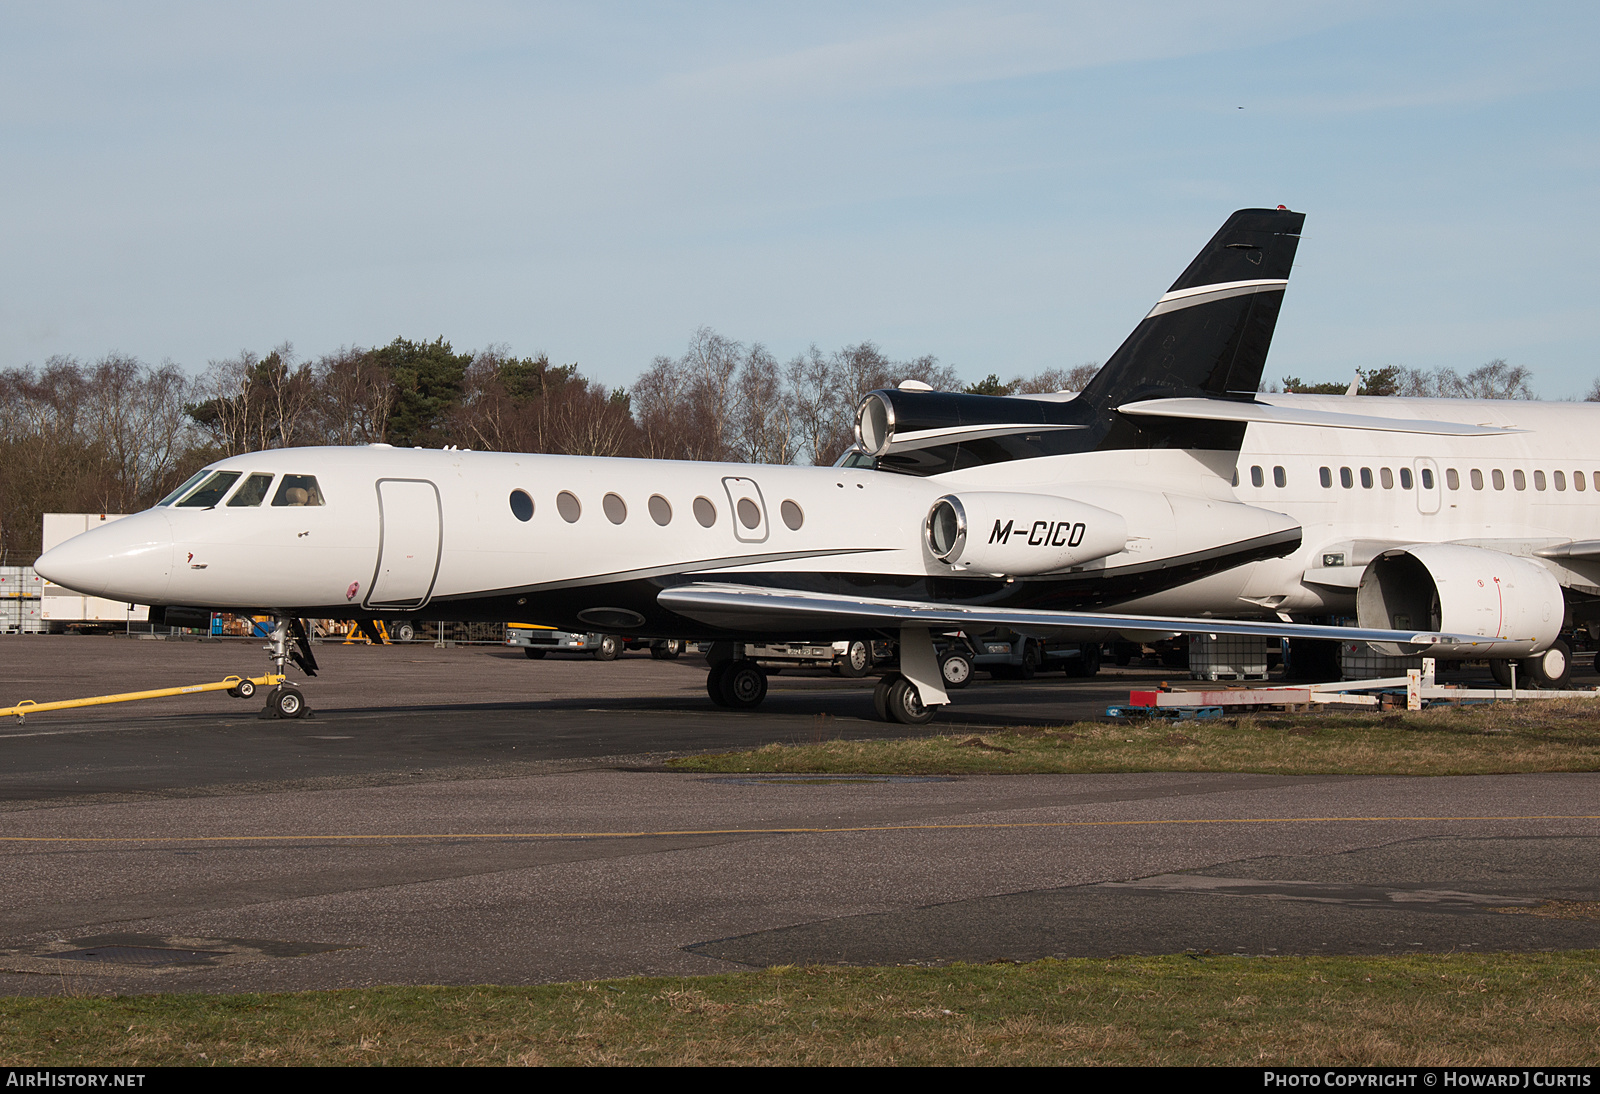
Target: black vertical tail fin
point(1209, 334)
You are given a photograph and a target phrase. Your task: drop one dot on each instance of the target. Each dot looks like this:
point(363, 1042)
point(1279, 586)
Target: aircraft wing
point(746, 608)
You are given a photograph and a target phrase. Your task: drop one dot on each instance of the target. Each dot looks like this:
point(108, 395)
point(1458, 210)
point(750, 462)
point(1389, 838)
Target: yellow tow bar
point(244, 687)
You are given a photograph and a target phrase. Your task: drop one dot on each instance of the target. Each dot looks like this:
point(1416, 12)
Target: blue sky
point(1006, 186)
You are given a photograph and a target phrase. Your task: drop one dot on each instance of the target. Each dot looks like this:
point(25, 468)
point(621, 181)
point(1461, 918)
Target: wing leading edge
point(746, 608)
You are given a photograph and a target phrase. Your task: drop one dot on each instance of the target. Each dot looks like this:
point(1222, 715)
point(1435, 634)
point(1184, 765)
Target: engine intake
point(1019, 535)
point(1514, 603)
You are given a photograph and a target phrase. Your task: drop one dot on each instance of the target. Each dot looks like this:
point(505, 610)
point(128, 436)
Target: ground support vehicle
point(1010, 655)
point(536, 641)
point(854, 657)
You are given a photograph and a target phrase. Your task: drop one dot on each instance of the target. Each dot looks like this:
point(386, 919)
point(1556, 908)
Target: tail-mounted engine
point(1514, 603)
point(1019, 535)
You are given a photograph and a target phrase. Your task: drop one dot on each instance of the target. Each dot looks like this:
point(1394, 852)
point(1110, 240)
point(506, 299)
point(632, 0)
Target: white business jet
point(1497, 533)
point(971, 511)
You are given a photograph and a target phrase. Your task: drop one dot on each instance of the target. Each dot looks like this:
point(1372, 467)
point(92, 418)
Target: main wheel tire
point(744, 685)
point(531, 653)
point(857, 659)
point(244, 689)
point(714, 682)
point(666, 651)
point(402, 632)
point(880, 696)
point(610, 646)
point(904, 704)
point(289, 703)
point(1551, 669)
point(956, 669)
point(1500, 669)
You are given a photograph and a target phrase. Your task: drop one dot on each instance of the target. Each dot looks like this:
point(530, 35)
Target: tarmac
point(465, 815)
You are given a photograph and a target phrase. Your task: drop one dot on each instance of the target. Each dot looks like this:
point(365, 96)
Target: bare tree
point(354, 398)
point(1056, 379)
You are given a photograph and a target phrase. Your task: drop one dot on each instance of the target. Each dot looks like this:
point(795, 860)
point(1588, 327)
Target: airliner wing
point(743, 607)
point(1227, 410)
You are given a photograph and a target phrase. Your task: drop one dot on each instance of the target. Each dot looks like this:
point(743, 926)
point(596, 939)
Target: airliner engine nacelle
point(1515, 603)
point(1019, 535)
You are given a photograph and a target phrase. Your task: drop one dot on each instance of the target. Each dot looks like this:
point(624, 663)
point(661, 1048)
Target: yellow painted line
point(401, 836)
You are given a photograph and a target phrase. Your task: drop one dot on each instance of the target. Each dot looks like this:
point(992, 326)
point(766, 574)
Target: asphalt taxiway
point(466, 816)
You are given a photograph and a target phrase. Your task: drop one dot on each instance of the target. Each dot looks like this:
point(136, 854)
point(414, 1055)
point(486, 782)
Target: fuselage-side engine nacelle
point(1514, 603)
point(1018, 535)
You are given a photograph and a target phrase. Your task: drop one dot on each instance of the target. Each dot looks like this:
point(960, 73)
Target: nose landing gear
point(286, 700)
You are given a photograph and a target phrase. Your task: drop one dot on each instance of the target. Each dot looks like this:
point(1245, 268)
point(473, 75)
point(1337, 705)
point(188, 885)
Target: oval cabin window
point(521, 505)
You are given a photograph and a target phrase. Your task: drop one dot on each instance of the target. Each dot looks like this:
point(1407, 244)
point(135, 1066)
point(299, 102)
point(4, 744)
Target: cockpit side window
point(208, 493)
point(188, 484)
point(298, 490)
point(253, 492)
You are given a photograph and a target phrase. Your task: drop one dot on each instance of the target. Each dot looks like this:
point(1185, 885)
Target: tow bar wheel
point(244, 689)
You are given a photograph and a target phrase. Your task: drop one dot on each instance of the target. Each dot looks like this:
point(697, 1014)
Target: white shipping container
point(1359, 661)
point(1229, 657)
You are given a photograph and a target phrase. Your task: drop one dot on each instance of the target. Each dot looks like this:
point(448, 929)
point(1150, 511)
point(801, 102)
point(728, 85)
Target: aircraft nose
point(129, 559)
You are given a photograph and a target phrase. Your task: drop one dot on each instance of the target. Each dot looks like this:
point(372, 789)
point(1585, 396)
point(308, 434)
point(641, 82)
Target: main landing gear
point(287, 641)
point(910, 696)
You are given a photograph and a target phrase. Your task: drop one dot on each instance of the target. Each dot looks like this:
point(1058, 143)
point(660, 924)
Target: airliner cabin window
point(1538, 480)
point(1386, 477)
point(298, 490)
point(1499, 477)
point(211, 491)
point(660, 510)
point(705, 512)
point(1256, 477)
point(1561, 480)
point(1519, 480)
point(1327, 478)
point(252, 493)
point(1346, 480)
point(568, 506)
point(1477, 479)
point(1427, 480)
point(1366, 478)
point(616, 509)
point(1451, 479)
point(1577, 480)
point(1405, 478)
point(1280, 478)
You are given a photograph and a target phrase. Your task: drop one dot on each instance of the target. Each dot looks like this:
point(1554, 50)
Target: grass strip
point(1544, 735)
point(1456, 1009)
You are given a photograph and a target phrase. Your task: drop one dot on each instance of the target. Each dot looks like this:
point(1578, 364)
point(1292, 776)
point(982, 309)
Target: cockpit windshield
point(188, 484)
point(298, 490)
point(854, 457)
point(211, 491)
point(253, 492)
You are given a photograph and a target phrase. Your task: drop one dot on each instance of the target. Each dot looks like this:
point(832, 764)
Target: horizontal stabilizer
point(742, 607)
point(1228, 410)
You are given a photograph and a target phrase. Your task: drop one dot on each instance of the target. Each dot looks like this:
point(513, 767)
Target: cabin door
point(1427, 486)
point(410, 537)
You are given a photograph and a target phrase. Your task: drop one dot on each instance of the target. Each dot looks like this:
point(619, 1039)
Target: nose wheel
point(286, 700)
